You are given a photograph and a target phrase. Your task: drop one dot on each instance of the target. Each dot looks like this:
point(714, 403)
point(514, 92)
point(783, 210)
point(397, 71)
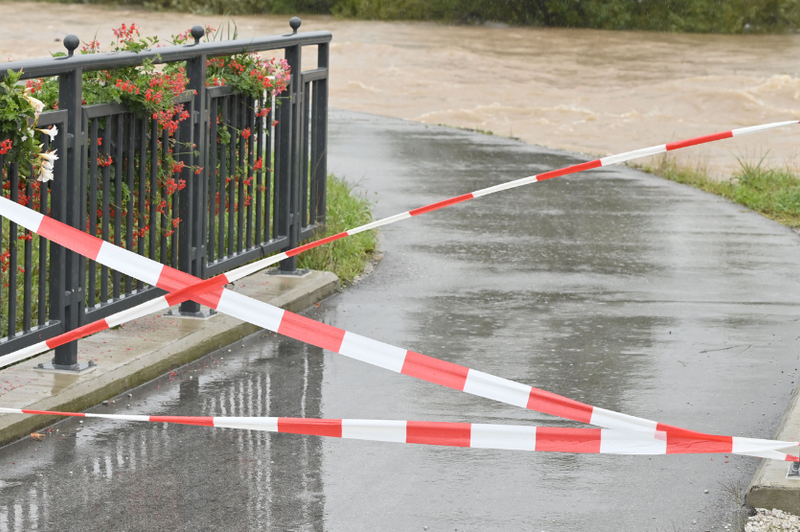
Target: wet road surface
point(611, 287)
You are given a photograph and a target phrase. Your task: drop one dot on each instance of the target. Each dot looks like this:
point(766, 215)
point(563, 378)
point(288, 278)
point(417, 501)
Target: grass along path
point(349, 256)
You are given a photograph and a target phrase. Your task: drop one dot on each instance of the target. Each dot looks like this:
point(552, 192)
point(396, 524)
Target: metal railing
point(224, 222)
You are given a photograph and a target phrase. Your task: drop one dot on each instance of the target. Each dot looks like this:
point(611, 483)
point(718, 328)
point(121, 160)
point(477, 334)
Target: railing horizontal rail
point(36, 68)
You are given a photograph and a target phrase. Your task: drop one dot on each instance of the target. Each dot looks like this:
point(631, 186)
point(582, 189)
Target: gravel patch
point(772, 521)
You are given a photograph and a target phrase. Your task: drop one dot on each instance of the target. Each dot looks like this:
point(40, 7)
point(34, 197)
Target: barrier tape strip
point(195, 290)
point(475, 435)
point(340, 341)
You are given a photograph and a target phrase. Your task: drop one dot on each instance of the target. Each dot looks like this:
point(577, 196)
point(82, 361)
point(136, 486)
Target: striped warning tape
point(193, 291)
point(340, 341)
point(475, 435)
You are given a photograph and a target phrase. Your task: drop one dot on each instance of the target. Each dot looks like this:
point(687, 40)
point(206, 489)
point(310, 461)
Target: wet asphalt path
point(611, 287)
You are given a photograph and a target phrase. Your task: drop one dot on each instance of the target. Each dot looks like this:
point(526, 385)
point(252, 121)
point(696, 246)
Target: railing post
point(192, 201)
point(293, 135)
point(69, 207)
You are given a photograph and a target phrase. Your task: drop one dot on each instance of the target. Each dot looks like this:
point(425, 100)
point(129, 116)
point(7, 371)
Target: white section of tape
point(269, 424)
point(373, 352)
point(754, 129)
point(27, 218)
point(503, 390)
point(751, 445)
point(146, 270)
point(625, 442)
point(120, 417)
point(373, 225)
point(250, 310)
point(609, 419)
point(379, 430)
point(622, 157)
point(515, 438)
point(23, 353)
point(157, 304)
point(247, 269)
point(504, 186)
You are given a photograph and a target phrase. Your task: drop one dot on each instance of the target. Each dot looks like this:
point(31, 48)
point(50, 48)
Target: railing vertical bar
point(28, 265)
point(243, 148)
point(212, 199)
point(142, 222)
point(153, 193)
point(94, 141)
point(105, 220)
point(236, 125)
point(259, 173)
point(119, 169)
point(305, 139)
point(164, 218)
point(131, 122)
point(223, 178)
point(44, 197)
point(12, 258)
point(251, 144)
point(173, 238)
point(269, 175)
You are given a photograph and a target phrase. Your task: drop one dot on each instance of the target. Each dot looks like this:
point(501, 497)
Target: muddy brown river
point(597, 92)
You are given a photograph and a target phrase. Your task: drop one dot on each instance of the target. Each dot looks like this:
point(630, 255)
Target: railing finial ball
point(71, 43)
point(197, 33)
point(295, 22)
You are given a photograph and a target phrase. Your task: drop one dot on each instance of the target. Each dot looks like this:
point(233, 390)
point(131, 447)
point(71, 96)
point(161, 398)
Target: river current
point(596, 92)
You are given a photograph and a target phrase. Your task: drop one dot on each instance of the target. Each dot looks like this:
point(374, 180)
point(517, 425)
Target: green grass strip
point(348, 256)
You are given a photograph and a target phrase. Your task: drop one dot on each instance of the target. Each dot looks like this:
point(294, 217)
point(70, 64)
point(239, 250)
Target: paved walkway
point(613, 287)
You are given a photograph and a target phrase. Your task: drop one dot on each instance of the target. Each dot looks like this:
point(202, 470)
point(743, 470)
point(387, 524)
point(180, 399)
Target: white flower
point(38, 106)
point(45, 174)
point(50, 156)
point(52, 132)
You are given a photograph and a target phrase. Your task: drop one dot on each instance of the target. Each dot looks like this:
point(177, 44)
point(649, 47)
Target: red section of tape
point(682, 441)
point(173, 280)
point(311, 332)
point(569, 170)
point(54, 413)
point(312, 427)
point(208, 289)
point(300, 249)
point(69, 237)
point(435, 370)
point(698, 140)
point(76, 334)
point(556, 405)
point(568, 440)
point(184, 420)
point(438, 433)
point(441, 204)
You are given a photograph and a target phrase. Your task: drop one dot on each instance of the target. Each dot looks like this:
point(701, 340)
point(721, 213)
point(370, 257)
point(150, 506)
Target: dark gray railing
point(224, 222)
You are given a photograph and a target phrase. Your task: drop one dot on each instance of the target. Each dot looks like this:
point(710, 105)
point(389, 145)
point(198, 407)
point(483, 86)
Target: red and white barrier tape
point(338, 340)
point(212, 284)
point(475, 435)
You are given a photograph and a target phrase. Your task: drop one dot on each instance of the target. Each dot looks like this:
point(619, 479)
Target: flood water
point(597, 92)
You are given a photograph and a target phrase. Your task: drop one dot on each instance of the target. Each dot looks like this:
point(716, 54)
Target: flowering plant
point(19, 114)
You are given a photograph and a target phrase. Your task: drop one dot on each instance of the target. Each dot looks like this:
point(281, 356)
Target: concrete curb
point(142, 350)
point(770, 488)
